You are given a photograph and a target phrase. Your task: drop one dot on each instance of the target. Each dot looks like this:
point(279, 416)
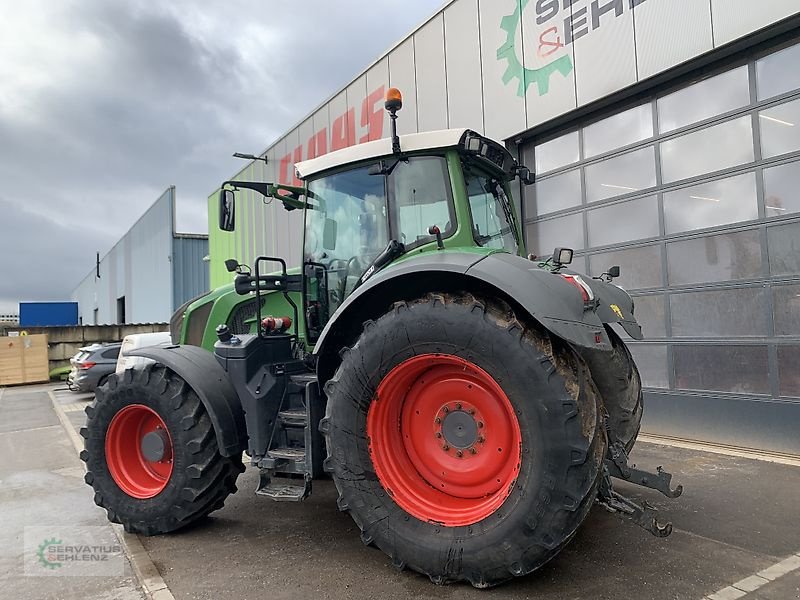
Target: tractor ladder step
point(294, 417)
point(283, 489)
point(288, 453)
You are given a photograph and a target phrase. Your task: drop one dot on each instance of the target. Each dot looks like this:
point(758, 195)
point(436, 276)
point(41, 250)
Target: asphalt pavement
point(736, 532)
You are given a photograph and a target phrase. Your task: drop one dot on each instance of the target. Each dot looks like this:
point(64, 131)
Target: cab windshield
point(352, 215)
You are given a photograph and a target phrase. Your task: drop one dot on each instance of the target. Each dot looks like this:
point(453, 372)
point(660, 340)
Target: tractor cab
point(373, 204)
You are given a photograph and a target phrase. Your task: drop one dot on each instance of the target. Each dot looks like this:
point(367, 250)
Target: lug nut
point(458, 405)
point(473, 451)
point(481, 439)
point(437, 420)
point(459, 453)
point(446, 410)
point(438, 435)
point(445, 447)
point(480, 424)
point(472, 411)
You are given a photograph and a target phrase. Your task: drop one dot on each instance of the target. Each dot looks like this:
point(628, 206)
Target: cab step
point(283, 489)
point(294, 417)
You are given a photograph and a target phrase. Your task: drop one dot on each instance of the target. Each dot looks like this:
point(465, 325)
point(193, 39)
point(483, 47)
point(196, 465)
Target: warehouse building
point(148, 273)
point(665, 135)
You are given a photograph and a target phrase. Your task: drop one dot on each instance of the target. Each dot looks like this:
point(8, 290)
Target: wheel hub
point(444, 439)
point(156, 446)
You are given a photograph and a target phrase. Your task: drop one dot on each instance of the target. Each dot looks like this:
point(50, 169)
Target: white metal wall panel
point(337, 133)
point(321, 124)
point(670, 33)
point(306, 137)
point(734, 18)
point(356, 93)
point(605, 56)
point(403, 77)
point(377, 86)
point(463, 60)
point(549, 65)
point(429, 60)
point(503, 88)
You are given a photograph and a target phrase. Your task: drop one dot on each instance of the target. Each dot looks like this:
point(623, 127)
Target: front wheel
point(465, 445)
point(151, 454)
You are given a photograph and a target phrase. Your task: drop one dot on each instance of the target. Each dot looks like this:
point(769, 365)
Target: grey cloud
point(169, 91)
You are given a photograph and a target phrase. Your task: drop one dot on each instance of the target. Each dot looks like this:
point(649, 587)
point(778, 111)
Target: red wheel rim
point(135, 470)
point(444, 439)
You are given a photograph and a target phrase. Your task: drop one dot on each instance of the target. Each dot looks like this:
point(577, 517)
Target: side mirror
point(231, 265)
point(329, 234)
point(227, 212)
point(613, 272)
point(562, 256)
point(525, 175)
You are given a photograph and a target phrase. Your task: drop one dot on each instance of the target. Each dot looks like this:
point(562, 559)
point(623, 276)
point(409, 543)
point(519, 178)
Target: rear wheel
point(620, 386)
point(151, 453)
point(465, 445)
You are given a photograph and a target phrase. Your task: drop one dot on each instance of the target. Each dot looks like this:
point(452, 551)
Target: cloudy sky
point(104, 104)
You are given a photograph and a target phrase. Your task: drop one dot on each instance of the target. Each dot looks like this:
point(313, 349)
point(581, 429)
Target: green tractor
point(470, 403)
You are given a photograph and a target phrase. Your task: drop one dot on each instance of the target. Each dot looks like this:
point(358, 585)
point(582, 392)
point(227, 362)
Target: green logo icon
point(44, 557)
point(515, 69)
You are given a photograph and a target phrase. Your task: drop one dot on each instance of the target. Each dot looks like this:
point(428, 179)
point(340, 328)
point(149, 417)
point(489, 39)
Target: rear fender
point(544, 296)
point(201, 371)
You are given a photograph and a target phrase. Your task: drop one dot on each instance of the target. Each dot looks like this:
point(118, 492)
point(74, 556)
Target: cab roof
point(429, 140)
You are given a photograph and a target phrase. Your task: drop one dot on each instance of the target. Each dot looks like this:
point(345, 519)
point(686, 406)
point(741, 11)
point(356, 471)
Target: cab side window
point(421, 198)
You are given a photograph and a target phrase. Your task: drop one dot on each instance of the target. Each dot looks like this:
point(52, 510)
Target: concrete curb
point(150, 580)
point(753, 454)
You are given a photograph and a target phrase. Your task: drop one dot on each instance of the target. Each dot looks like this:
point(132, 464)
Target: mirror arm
point(291, 200)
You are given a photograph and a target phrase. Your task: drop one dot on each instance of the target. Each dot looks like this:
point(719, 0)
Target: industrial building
point(148, 273)
point(665, 137)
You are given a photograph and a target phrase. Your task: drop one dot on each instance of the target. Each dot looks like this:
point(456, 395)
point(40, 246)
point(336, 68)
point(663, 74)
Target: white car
point(136, 341)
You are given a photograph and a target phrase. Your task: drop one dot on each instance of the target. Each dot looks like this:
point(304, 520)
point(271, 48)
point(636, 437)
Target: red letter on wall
point(317, 144)
point(371, 117)
point(343, 133)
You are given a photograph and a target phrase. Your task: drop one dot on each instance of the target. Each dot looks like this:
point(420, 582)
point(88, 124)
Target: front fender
point(201, 371)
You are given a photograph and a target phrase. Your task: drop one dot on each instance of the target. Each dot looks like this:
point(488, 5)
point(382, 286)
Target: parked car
point(92, 365)
point(135, 341)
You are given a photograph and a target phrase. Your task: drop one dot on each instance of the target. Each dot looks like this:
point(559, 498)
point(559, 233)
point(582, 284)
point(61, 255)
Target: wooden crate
point(23, 359)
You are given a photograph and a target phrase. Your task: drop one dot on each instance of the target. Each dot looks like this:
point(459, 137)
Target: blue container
point(48, 314)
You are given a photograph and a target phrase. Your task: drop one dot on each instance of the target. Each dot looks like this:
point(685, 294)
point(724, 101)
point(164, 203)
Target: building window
point(557, 153)
point(618, 131)
point(782, 190)
point(724, 257)
point(720, 202)
point(624, 174)
point(778, 73)
point(623, 222)
point(555, 193)
point(712, 149)
point(780, 129)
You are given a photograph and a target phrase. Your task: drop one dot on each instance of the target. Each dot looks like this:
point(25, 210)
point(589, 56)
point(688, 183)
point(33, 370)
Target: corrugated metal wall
point(137, 268)
point(150, 267)
point(190, 271)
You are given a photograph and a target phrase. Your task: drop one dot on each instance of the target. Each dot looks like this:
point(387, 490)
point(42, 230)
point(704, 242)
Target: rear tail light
point(86, 365)
point(582, 286)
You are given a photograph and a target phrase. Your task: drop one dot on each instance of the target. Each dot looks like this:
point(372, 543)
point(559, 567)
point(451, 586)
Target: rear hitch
point(644, 516)
point(616, 465)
